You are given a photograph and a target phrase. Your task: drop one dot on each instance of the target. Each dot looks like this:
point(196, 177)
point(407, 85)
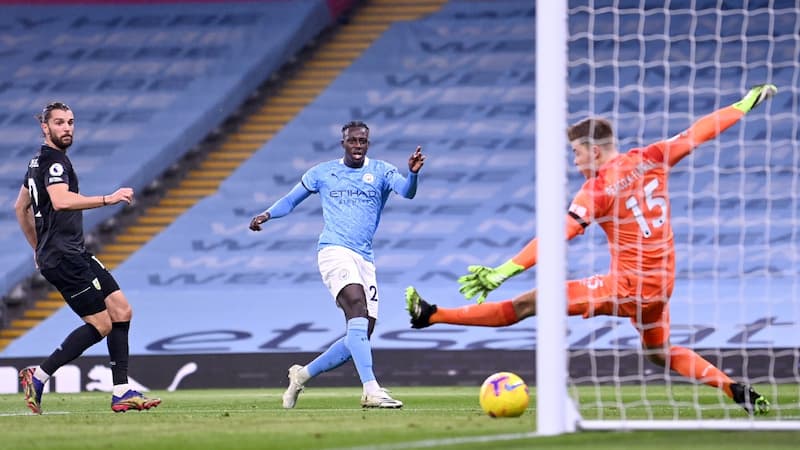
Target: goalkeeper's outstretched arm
point(711, 125)
point(481, 280)
point(527, 257)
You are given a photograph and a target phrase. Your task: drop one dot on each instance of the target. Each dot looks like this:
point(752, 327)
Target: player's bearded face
point(60, 128)
point(62, 140)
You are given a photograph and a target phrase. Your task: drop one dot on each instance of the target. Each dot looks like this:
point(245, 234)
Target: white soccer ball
point(504, 394)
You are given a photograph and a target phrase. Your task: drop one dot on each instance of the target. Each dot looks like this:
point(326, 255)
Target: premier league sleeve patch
point(56, 172)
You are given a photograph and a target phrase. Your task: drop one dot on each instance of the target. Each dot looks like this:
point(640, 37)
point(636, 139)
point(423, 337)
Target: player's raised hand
point(416, 160)
point(120, 195)
point(255, 222)
point(755, 96)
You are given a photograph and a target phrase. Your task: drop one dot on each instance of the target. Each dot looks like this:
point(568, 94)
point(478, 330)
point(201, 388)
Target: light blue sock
point(336, 355)
point(357, 342)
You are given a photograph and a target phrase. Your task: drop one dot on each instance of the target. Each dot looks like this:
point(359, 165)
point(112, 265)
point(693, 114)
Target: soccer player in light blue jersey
point(353, 191)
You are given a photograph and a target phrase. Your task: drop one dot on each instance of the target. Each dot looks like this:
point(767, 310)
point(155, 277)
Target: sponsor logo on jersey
point(353, 193)
point(34, 163)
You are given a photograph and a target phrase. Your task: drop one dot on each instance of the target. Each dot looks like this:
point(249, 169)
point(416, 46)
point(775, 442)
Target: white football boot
point(294, 389)
point(380, 399)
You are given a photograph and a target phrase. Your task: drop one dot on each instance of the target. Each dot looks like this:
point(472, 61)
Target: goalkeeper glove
point(755, 96)
point(481, 280)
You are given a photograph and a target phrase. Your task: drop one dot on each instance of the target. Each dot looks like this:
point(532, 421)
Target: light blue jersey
point(352, 200)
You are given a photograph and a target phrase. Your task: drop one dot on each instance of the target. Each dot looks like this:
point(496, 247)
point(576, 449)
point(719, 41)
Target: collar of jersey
point(366, 163)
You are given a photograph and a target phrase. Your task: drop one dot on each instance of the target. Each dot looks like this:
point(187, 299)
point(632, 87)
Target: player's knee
point(352, 301)
point(102, 326)
point(122, 313)
point(118, 307)
point(525, 304)
point(658, 355)
point(355, 311)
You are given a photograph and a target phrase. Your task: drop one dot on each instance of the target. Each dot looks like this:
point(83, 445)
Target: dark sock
point(117, 342)
point(73, 346)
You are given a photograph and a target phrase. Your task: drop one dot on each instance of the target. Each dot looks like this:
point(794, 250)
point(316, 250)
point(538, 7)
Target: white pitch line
point(161, 410)
point(447, 441)
point(47, 413)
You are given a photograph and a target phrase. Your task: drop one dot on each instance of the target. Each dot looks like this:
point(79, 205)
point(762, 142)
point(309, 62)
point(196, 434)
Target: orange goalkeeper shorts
point(643, 300)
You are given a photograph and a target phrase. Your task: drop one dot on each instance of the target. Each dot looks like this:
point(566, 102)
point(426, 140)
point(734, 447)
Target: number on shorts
point(373, 294)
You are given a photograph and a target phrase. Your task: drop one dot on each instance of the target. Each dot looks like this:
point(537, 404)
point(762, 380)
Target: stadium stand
point(147, 82)
point(460, 83)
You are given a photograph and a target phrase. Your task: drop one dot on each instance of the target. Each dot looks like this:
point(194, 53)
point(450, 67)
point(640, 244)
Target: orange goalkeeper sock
point(489, 314)
point(691, 365)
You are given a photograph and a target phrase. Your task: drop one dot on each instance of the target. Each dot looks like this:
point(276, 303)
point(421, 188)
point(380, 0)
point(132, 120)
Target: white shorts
point(340, 266)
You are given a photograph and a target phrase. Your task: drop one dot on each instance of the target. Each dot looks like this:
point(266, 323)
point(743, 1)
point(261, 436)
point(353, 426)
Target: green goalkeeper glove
point(755, 96)
point(481, 280)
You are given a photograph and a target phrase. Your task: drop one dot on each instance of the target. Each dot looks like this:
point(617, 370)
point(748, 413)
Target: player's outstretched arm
point(755, 96)
point(482, 280)
point(282, 207)
point(711, 125)
point(65, 200)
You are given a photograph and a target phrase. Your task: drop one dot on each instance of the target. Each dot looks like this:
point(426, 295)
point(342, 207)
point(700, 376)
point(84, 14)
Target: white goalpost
point(551, 350)
point(653, 68)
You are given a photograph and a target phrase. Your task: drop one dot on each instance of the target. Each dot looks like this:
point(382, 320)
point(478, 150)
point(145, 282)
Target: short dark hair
point(592, 130)
point(48, 109)
point(354, 124)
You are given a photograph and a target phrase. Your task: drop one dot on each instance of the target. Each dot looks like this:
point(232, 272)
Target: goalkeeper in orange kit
point(626, 194)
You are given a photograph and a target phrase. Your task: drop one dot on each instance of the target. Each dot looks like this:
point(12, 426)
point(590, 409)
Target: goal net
point(652, 68)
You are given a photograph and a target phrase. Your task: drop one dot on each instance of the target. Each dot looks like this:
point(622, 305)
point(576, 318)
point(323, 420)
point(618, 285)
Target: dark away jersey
point(57, 232)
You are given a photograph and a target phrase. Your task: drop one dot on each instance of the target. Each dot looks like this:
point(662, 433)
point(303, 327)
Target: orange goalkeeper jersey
point(629, 199)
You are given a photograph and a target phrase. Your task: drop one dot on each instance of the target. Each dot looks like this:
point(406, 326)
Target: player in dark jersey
point(49, 210)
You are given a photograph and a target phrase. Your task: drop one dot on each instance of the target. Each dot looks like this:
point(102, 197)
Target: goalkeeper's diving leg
point(488, 314)
point(685, 361)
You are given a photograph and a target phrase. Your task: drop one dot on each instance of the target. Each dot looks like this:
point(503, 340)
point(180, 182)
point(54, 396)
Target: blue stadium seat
point(146, 82)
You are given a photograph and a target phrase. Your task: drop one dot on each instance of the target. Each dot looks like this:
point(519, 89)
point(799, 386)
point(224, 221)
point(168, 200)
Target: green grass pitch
point(331, 418)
